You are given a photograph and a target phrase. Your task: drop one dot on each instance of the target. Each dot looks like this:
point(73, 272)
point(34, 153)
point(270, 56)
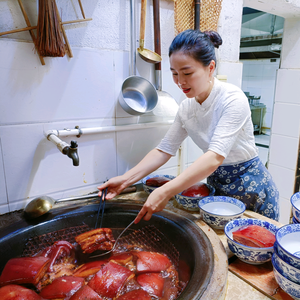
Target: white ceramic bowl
point(217, 211)
point(191, 203)
point(148, 189)
point(250, 255)
point(295, 201)
point(290, 287)
point(288, 244)
point(284, 268)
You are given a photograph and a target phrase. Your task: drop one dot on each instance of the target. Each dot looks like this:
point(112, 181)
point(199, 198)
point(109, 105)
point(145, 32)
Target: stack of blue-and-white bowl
point(286, 259)
point(295, 201)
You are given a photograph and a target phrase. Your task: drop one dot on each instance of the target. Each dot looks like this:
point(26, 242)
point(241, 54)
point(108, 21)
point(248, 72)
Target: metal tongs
point(101, 209)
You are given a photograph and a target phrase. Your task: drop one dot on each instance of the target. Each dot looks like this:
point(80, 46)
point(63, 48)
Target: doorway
point(260, 49)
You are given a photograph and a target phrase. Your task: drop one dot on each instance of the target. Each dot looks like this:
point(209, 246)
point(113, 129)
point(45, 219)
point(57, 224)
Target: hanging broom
point(49, 40)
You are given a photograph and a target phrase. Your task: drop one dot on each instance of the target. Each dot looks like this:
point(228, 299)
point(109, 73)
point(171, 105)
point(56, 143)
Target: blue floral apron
point(249, 182)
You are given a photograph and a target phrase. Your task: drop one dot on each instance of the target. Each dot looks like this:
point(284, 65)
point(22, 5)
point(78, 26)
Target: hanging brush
point(49, 40)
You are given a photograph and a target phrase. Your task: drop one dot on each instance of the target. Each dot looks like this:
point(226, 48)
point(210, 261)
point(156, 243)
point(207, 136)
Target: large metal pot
point(194, 247)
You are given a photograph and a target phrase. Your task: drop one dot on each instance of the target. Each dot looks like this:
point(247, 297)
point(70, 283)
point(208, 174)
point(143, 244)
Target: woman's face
point(192, 76)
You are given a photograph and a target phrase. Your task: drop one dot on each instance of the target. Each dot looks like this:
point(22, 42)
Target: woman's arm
point(151, 162)
point(205, 165)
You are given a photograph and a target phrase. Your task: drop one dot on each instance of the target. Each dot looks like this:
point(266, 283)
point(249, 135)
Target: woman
point(217, 116)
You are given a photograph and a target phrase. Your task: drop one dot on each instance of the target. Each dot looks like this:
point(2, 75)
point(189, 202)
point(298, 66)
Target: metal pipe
point(71, 150)
point(80, 131)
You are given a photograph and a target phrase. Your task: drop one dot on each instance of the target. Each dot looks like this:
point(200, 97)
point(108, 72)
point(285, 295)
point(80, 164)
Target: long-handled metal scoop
point(146, 54)
point(41, 205)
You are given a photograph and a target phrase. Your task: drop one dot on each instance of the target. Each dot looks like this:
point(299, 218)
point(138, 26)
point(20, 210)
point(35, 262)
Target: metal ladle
point(41, 205)
point(145, 54)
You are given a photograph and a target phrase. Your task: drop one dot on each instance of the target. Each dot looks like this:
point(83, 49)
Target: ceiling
point(261, 34)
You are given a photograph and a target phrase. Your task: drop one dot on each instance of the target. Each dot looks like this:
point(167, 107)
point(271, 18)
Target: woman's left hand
point(156, 202)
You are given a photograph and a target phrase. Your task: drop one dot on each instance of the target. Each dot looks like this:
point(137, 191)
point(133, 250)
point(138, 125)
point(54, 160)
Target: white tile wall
point(286, 145)
point(3, 195)
point(285, 210)
point(134, 145)
point(36, 93)
point(284, 179)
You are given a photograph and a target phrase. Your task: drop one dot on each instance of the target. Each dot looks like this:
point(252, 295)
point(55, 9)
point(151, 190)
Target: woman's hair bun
point(214, 37)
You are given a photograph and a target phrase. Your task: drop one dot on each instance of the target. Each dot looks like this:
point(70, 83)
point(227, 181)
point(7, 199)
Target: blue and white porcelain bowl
point(191, 203)
point(295, 221)
point(149, 189)
point(288, 244)
point(247, 254)
point(295, 201)
point(290, 287)
point(217, 211)
point(284, 268)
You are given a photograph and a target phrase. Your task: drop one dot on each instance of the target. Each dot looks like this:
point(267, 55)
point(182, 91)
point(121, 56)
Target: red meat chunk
point(96, 239)
point(254, 236)
point(134, 295)
point(90, 268)
point(151, 262)
point(110, 279)
point(24, 270)
point(57, 253)
point(62, 287)
point(153, 283)
point(86, 293)
point(17, 292)
point(157, 181)
point(197, 190)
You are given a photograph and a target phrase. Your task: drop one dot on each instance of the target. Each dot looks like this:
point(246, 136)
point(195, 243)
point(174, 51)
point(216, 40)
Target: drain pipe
point(71, 150)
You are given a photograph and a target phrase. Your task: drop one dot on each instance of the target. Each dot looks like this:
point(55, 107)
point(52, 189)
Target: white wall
point(67, 92)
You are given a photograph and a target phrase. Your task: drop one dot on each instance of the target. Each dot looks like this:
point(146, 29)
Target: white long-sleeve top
point(222, 124)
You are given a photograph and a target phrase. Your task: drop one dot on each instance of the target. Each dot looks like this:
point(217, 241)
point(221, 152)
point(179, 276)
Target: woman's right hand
point(114, 187)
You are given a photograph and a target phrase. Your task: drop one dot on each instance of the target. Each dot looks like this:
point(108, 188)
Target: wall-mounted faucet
point(72, 153)
point(63, 147)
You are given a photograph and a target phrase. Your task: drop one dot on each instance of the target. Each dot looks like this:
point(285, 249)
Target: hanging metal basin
point(138, 95)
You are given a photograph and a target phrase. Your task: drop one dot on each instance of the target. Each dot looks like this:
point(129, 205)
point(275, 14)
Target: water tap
point(72, 153)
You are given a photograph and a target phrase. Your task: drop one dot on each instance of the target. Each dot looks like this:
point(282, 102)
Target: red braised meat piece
point(153, 283)
point(197, 190)
point(122, 258)
point(90, 268)
point(135, 295)
point(157, 181)
point(57, 253)
point(17, 292)
point(110, 279)
point(254, 236)
point(96, 239)
point(62, 287)
point(151, 262)
point(24, 270)
point(86, 293)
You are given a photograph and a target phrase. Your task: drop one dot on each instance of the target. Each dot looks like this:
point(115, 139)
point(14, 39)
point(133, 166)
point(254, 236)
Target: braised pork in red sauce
point(157, 181)
point(197, 190)
point(97, 239)
point(56, 272)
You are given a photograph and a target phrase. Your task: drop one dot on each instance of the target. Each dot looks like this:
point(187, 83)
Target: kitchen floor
point(262, 142)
